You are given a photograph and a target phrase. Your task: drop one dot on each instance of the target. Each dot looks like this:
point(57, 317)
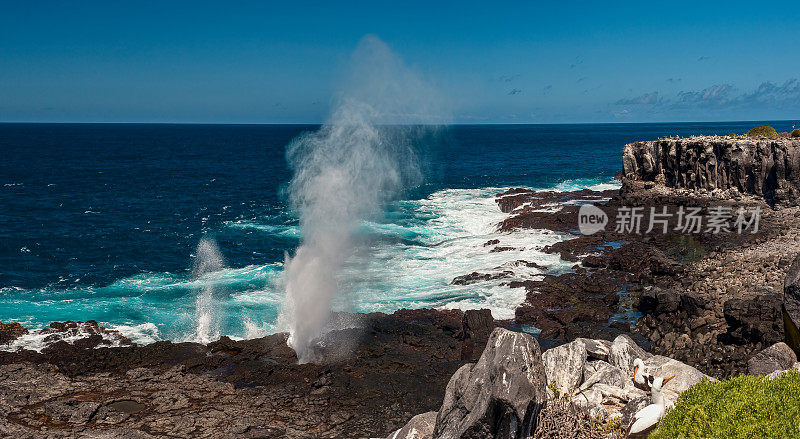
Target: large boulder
point(500, 396)
point(563, 366)
point(791, 306)
point(776, 357)
point(419, 427)
point(624, 352)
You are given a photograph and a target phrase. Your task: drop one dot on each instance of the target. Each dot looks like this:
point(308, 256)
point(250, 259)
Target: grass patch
point(795, 133)
point(740, 408)
point(762, 131)
point(686, 248)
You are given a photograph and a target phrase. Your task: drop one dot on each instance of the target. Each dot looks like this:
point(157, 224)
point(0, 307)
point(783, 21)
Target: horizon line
point(402, 124)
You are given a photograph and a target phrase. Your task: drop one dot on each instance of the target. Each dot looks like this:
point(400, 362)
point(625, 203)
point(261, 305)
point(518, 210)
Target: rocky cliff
point(728, 166)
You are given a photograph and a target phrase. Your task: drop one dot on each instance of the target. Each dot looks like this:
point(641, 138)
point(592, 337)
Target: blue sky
point(278, 62)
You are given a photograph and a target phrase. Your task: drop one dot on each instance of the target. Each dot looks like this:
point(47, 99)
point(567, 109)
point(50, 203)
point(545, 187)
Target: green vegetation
point(554, 388)
point(762, 131)
point(613, 425)
point(743, 407)
point(686, 248)
point(795, 133)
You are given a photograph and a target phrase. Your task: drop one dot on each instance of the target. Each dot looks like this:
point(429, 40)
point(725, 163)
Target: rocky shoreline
point(370, 380)
point(709, 306)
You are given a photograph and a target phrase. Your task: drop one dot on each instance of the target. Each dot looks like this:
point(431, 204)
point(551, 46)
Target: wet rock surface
point(11, 331)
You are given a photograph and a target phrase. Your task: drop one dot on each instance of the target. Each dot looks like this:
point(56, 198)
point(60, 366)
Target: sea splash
point(207, 264)
point(344, 173)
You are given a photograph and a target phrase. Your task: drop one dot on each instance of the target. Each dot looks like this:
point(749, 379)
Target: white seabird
point(647, 418)
point(641, 379)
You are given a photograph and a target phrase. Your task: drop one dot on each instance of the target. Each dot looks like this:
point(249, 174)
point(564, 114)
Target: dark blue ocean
point(102, 221)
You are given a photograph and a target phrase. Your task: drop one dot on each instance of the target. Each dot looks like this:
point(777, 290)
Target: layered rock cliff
point(763, 167)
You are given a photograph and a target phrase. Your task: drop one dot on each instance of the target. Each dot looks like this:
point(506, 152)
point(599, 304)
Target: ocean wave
point(594, 184)
point(286, 231)
point(413, 254)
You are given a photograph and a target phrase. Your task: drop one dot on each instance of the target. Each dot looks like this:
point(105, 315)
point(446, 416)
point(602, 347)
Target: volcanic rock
point(765, 167)
point(499, 396)
point(605, 373)
point(754, 319)
point(597, 349)
point(476, 326)
point(11, 331)
point(791, 305)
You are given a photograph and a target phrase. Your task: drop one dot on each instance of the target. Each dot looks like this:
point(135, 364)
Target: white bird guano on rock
point(646, 418)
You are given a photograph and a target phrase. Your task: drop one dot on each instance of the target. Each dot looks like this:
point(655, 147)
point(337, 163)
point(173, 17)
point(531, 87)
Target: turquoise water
point(103, 221)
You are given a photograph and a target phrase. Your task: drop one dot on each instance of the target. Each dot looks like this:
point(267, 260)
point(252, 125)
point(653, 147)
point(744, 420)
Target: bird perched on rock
point(641, 379)
point(646, 419)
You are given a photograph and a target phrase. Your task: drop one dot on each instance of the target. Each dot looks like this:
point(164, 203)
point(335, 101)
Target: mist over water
point(208, 262)
point(344, 173)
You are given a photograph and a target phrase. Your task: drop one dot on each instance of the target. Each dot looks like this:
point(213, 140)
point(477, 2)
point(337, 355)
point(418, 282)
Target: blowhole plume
point(363, 156)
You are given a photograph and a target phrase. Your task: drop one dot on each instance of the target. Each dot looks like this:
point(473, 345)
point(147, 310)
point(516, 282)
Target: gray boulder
point(774, 358)
point(589, 369)
point(563, 366)
point(500, 396)
point(591, 402)
point(624, 352)
point(419, 427)
point(597, 349)
point(775, 374)
point(605, 373)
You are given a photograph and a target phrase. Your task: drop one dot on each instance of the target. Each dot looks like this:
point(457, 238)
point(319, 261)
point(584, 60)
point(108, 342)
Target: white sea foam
point(38, 339)
point(142, 334)
point(586, 183)
point(458, 224)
